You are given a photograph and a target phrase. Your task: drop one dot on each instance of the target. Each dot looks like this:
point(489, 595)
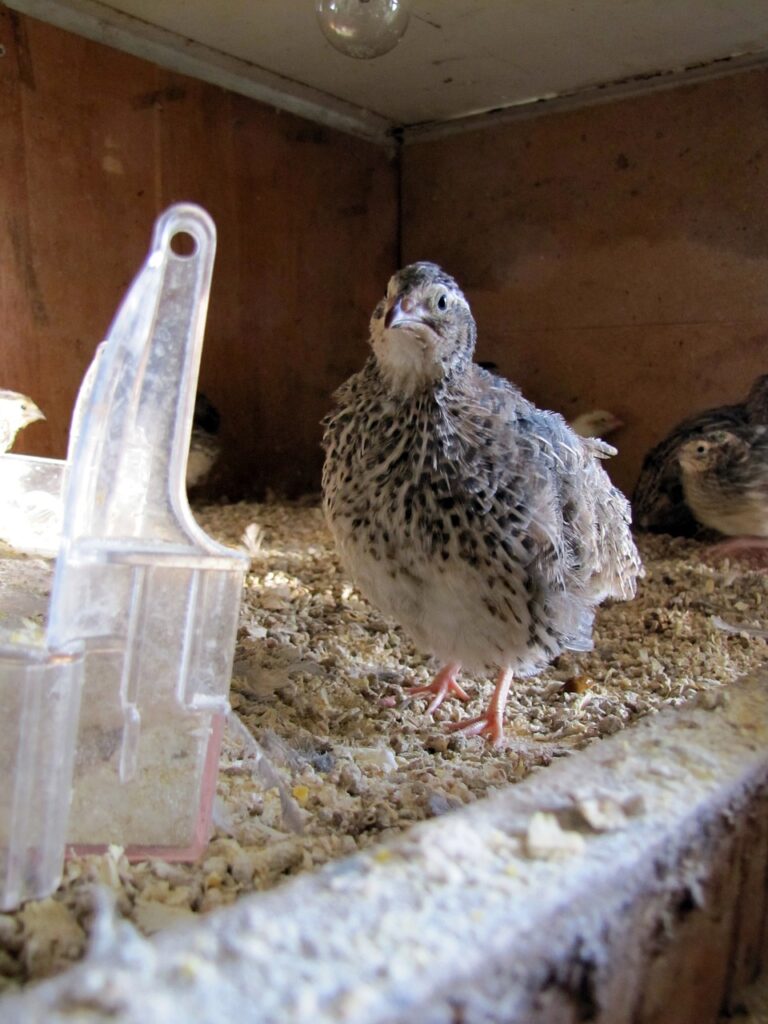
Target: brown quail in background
point(658, 502)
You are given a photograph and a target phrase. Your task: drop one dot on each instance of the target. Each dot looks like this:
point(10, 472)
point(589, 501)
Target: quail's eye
point(442, 302)
point(378, 312)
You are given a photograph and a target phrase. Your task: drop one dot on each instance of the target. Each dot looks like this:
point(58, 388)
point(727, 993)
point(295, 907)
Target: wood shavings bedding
point(325, 756)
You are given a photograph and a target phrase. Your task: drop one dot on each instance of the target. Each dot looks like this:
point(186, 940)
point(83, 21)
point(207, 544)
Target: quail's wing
point(574, 522)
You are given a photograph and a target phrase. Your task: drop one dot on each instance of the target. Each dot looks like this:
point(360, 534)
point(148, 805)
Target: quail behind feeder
point(16, 412)
point(480, 523)
point(204, 444)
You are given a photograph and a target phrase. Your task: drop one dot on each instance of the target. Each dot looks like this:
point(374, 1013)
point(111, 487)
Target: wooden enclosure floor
point(324, 756)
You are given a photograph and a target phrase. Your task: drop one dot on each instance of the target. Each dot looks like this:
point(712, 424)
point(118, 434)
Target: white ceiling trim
point(592, 96)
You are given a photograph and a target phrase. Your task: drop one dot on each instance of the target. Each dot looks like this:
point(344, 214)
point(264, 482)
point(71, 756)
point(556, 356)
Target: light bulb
point(363, 28)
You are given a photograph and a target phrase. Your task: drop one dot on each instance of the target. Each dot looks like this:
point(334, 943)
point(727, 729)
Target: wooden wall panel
point(94, 143)
point(615, 256)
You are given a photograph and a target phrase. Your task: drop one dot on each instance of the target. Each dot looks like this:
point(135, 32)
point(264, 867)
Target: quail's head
point(706, 454)
point(597, 423)
point(422, 331)
point(16, 412)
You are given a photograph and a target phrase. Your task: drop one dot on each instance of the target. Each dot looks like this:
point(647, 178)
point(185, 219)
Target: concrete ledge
point(626, 883)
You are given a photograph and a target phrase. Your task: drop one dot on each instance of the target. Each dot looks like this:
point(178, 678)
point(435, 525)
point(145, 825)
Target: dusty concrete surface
point(623, 884)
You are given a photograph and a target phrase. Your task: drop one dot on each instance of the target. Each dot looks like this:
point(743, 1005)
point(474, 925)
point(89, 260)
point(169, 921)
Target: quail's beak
point(401, 313)
point(34, 414)
point(406, 344)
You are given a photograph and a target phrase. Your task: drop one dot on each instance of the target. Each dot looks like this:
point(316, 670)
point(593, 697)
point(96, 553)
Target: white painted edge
point(611, 92)
point(104, 24)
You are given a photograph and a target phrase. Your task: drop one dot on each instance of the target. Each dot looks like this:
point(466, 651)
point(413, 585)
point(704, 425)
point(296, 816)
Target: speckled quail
point(483, 525)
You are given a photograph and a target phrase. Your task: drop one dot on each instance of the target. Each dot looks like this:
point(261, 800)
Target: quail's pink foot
point(752, 550)
point(491, 724)
point(443, 685)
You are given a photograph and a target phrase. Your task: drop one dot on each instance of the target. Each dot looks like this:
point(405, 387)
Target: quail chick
point(658, 502)
point(483, 525)
point(16, 412)
point(204, 446)
point(725, 484)
point(597, 423)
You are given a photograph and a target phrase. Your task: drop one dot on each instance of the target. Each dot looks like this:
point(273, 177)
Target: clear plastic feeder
point(148, 597)
point(40, 696)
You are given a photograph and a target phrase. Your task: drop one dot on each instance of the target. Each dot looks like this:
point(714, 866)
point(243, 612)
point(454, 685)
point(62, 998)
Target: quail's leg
point(752, 550)
point(491, 724)
point(443, 685)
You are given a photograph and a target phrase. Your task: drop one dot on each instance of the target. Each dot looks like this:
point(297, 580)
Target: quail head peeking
point(422, 331)
point(16, 412)
point(717, 448)
point(725, 480)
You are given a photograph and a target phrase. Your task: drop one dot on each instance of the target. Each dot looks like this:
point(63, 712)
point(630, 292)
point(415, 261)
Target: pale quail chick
point(204, 445)
point(658, 502)
point(16, 412)
point(597, 423)
point(482, 524)
point(725, 483)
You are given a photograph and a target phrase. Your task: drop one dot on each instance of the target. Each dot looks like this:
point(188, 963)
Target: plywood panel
point(615, 256)
point(94, 144)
